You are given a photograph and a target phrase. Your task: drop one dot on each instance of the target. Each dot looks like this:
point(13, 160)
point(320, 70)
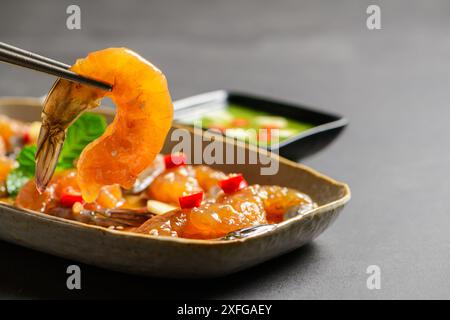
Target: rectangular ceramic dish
point(326, 126)
point(174, 257)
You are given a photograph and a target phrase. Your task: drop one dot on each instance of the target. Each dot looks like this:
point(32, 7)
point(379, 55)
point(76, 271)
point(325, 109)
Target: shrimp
point(208, 179)
point(250, 206)
point(47, 201)
point(210, 220)
point(182, 180)
point(130, 143)
point(51, 200)
point(172, 184)
point(277, 201)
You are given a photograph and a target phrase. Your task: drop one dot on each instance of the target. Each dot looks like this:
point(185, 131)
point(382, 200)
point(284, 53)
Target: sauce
point(250, 125)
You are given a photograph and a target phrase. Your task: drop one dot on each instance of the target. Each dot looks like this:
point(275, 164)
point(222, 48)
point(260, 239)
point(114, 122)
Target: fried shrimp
point(183, 180)
point(209, 221)
point(251, 206)
point(209, 178)
point(130, 143)
point(279, 201)
point(172, 184)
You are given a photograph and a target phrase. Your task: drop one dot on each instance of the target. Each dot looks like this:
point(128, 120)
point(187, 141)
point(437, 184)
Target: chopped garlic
point(158, 207)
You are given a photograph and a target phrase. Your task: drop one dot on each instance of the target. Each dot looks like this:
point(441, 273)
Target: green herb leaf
point(26, 160)
point(19, 176)
point(87, 128)
point(84, 130)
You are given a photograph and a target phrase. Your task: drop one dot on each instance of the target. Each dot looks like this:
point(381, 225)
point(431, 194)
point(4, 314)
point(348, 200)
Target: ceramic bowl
point(175, 257)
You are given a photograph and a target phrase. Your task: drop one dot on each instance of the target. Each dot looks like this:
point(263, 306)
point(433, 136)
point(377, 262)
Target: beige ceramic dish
point(173, 257)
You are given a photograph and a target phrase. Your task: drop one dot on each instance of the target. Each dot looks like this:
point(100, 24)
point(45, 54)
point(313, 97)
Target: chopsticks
point(30, 60)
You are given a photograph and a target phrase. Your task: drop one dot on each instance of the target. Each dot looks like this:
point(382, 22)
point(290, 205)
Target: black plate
point(326, 126)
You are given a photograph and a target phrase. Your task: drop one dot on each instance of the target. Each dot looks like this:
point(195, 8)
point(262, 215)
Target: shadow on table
point(29, 274)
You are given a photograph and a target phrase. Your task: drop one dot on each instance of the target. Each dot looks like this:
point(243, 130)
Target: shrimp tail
point(49, 146)
point(61, 109)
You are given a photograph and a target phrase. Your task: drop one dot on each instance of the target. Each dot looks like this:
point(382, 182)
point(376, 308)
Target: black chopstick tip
point(30, 60)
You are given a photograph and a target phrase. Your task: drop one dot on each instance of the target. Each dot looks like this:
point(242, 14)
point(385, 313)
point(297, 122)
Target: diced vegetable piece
point(110, 197)
point(271, 121)
point(239, 133)
point(26, 138)
point(158, 207)
point(221, 115)
point(233, 183)
point(69, 197)
point(174, 160)
point(191, 201)
point(239, 122)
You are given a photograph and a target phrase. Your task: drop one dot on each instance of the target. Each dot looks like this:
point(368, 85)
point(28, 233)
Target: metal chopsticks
point(37, 62)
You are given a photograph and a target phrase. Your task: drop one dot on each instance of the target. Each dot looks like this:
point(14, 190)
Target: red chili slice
point(233, 183)
point(174, 160)
point(191, 201)
point(26, 138)
point(69, 197)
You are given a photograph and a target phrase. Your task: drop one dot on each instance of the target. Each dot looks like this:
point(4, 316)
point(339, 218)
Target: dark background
point(392, 84)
